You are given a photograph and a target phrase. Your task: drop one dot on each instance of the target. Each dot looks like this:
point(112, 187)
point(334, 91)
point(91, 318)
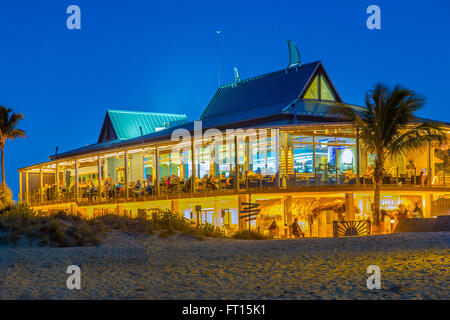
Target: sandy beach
point(413, 266)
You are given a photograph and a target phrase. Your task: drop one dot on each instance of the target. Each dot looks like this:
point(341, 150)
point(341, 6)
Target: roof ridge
point(268, 74)
point(145, 112)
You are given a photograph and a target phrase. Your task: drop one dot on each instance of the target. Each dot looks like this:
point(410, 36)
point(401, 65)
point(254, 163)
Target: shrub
point(249, 235)
point(63, 229)
point(5, 197)
point(163, 219)
point(52, 233)
point(87, 235)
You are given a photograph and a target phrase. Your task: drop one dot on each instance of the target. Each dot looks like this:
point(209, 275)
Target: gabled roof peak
point(282, 86)
point(124, 125)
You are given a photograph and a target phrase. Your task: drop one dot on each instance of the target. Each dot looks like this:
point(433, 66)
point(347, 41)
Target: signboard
point(249, 212)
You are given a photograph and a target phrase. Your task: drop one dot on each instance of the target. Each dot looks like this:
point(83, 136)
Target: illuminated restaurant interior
point(269, 139)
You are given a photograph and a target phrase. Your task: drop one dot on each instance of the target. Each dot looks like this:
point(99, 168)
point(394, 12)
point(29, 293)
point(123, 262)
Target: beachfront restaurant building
point(268, 140)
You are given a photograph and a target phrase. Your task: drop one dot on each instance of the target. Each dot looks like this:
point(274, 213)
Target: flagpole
point(218, 54)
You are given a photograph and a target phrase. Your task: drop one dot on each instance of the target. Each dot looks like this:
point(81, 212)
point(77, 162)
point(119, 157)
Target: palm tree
point(388, 127)
point(8, 130)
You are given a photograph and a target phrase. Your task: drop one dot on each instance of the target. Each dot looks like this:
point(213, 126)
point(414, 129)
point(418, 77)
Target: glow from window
point(313, 91)
point(325, 92)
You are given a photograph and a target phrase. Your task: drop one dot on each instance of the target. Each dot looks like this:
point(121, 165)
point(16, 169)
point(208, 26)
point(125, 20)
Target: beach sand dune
point(413, 266)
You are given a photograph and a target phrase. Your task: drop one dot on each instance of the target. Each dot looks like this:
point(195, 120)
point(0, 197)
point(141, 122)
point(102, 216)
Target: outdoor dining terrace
point(173, 187)
point(300, 160)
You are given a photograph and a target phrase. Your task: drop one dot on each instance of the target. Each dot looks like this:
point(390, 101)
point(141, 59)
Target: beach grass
point(249, 235)
point(20, 223)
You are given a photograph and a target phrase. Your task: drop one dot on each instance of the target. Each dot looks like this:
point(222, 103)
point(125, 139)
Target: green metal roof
point(273, 88)
point(124, 125)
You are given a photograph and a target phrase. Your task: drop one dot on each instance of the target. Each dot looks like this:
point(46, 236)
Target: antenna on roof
point(236, 75)
point(294, 55)
point(56, 151)
point(218, 54)
point(142, 134)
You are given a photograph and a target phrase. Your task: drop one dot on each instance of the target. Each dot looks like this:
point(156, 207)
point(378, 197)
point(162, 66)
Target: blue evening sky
point(162, 56)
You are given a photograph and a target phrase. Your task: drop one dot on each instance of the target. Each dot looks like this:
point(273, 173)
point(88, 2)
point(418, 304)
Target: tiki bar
point(268, 142)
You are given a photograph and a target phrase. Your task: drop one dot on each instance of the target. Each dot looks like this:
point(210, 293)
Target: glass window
point(136, 166)
point(115, 169)
point(346, 159)
point(187, 164)
point(258, 155)
point(313, 91)
point(325, 140)
point(302, 139)
point(149, 166)
point(325, 161)
point(325, 91)
point(271, 159)
point(204, 162)
point(226, 161)
point(242, 156)
point(303, 158)
point(346, 164)
point(341, 140)
point(165, 165)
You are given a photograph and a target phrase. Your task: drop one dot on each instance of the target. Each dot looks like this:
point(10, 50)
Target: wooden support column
point(287, 203)
point(193, 177)
point(429, 173)
point(57, 180)
point(27, 197)
point(20, 188)
point(286, 157)
point(181, 165)
point(99, 176)
point(156, 171)
point(277, 157)
point(314, 160)
point(357, 157)
point(77, 184)
point(247, 154)
point(349, 207)
point(335, 161)
point(216, 219)
point(212, 160)
point(175, 206)
point(428, 199)
point(127, 175)
point(236, 163)
point(41, 184)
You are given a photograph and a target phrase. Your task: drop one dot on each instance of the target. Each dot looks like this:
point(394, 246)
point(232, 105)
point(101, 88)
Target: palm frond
point(8, 124)
point(17, 133)
point(388, 125)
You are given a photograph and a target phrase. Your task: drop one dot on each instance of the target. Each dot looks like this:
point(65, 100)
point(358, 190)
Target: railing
point(212, 187)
